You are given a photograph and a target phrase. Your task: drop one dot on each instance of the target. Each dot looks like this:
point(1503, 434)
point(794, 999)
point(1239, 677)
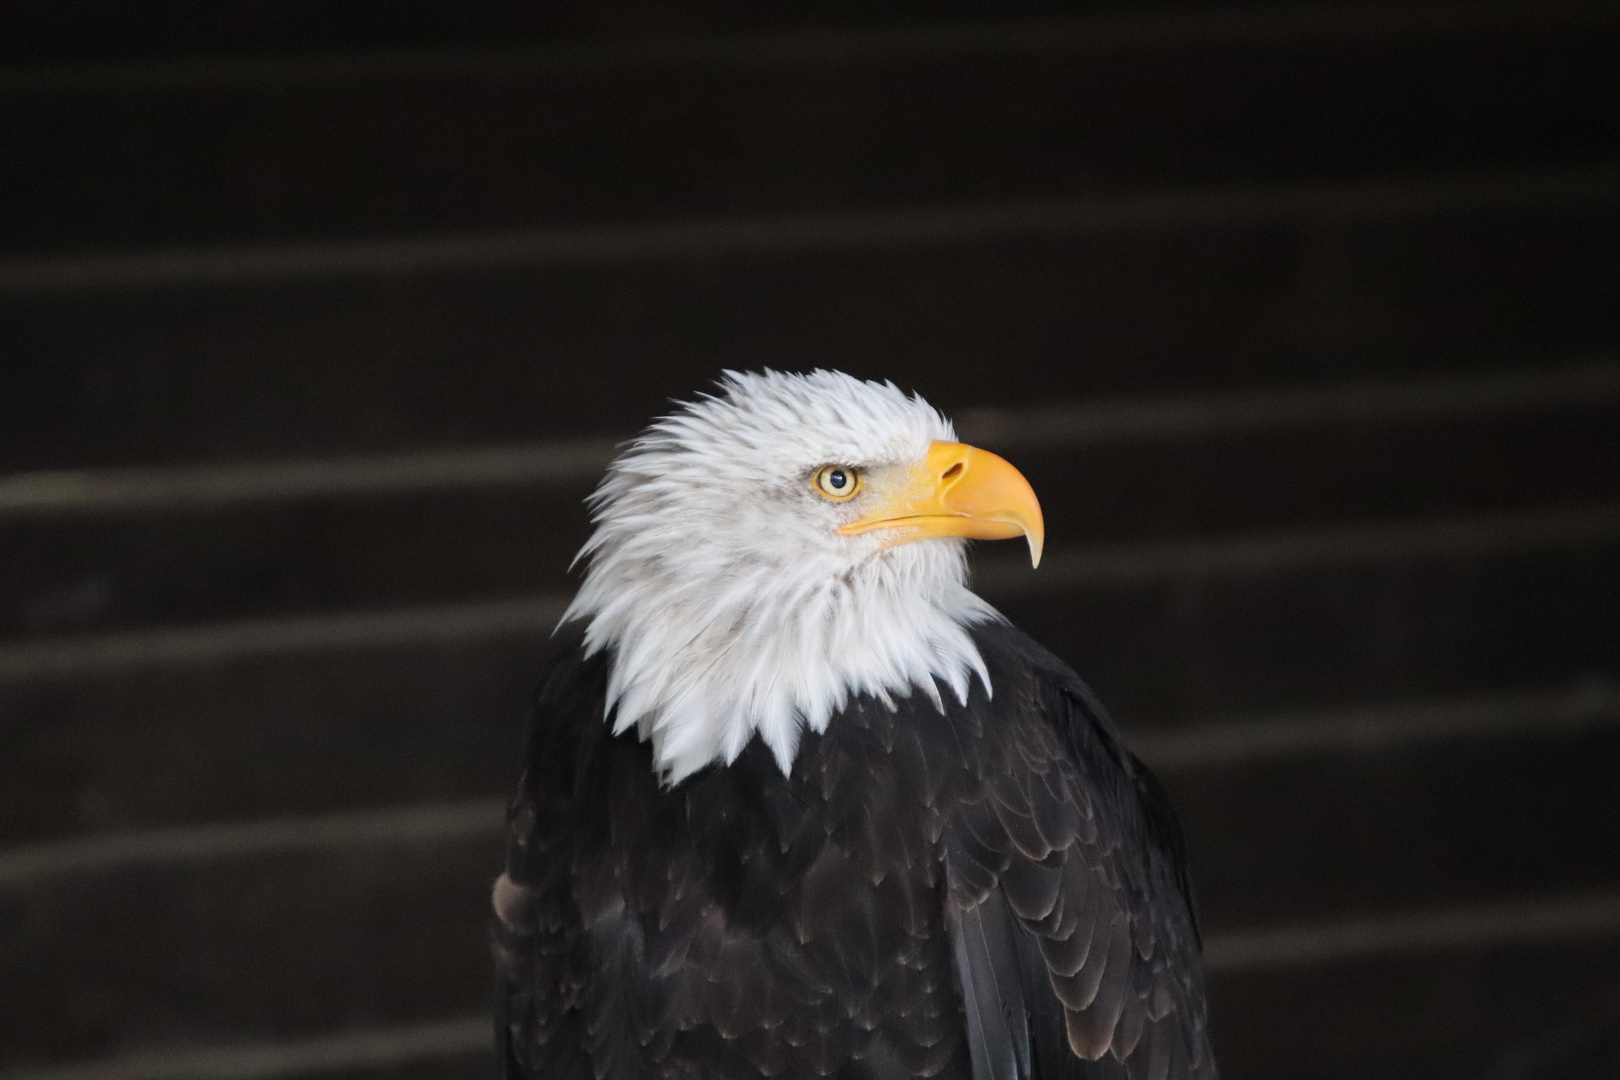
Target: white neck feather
point(699, 670)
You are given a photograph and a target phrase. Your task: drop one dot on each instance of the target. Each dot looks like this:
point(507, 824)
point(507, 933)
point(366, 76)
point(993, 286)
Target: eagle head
point(771, 551)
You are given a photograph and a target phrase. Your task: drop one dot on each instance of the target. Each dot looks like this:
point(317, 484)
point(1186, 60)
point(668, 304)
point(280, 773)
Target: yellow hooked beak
point(957, 491)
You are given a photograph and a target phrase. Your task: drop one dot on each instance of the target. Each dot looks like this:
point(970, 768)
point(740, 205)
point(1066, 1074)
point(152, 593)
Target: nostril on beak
point(952, 473)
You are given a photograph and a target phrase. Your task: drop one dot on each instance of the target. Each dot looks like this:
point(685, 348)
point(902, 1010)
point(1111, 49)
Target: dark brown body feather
point(995, 892)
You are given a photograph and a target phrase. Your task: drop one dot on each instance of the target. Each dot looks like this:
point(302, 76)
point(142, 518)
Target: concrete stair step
point(235, 721)
point(1269, 1019)
point(83, 30)
point(1244, 638)
point(211, 153)
point(264, 945)
point(1439, 449)
point(1436, 1014)
point(328, 934)
point(1441, 822)
point(1262, 290)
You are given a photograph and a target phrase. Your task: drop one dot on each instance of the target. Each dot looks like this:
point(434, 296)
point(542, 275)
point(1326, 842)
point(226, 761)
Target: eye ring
point(840, 483)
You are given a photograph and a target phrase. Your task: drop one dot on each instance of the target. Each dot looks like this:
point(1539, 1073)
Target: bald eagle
point(796, 802)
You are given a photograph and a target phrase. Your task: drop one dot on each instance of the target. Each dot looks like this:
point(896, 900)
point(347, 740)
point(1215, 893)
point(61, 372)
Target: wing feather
point(1073, 922)
point(986, 957)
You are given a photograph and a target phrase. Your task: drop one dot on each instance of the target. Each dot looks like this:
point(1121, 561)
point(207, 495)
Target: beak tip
point(1034, 552)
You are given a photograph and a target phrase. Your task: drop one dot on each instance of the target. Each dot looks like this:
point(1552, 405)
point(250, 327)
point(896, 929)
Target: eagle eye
point(837, 482)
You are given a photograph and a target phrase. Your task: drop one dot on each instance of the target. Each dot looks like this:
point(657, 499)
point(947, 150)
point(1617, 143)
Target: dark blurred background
point(317, 321)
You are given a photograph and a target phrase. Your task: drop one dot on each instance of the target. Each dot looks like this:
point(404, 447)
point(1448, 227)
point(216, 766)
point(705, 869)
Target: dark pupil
point(836, 479)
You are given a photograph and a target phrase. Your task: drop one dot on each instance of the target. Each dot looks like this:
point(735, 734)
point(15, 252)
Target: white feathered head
point(767, 552)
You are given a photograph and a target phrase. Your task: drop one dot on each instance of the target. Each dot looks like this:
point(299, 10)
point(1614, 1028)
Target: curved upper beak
point(958, 490)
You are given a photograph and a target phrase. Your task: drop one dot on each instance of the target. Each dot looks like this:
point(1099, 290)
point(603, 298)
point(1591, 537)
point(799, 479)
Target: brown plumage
point(994, 891)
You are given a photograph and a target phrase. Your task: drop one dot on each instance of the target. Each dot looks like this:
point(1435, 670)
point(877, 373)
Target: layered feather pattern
point(746, 924)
